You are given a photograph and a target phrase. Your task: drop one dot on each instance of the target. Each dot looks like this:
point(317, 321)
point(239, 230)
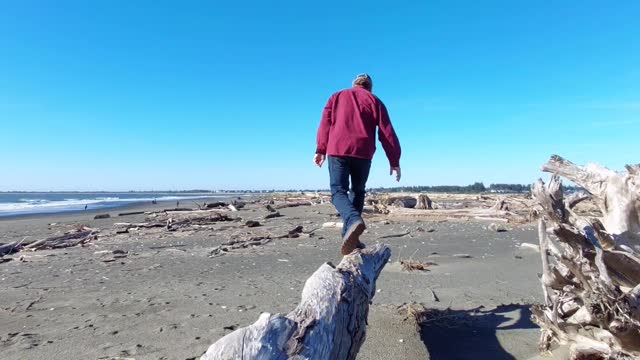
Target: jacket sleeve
point(325, 125)
point(388, 137)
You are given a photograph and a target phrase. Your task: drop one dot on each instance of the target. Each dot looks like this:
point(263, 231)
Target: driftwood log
point(591, 265)
point(482, 214)
point(329, 323)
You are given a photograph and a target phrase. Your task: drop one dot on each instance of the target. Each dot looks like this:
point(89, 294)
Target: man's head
point(363, 81)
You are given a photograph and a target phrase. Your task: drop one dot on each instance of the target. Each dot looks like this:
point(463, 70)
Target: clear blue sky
point(119, 95)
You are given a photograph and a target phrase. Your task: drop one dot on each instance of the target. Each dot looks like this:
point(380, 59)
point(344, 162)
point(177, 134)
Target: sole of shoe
point(352, 238)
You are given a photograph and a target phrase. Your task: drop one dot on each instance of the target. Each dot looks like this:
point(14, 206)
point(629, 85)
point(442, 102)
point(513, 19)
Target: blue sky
point(120, 95)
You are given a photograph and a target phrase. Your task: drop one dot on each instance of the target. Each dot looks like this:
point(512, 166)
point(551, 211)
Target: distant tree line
point(474, 188)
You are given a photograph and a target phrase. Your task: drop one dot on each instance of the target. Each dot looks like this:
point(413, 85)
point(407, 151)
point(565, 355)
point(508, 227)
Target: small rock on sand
point(252, 223)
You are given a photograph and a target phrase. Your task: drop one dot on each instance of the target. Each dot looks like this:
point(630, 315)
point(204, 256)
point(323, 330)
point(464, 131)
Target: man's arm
point(388, 138)
point(322, 138)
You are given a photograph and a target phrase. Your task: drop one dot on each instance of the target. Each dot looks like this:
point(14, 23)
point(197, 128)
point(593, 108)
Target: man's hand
point(397, 170)
point(318, 159)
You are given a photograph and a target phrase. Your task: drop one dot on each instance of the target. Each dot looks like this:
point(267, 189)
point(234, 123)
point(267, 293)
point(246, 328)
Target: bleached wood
point(591, 278)
point(329, 323)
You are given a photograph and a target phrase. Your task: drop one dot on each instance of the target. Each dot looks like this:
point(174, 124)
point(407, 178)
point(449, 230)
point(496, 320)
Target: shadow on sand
point(472, 334)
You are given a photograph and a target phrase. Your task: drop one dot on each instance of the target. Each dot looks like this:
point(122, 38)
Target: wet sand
point(165, 298)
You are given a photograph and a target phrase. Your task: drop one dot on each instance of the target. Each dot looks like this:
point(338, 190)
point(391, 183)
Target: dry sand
point(167, 299)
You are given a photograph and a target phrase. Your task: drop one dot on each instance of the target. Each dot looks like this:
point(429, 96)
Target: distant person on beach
point(347, 137)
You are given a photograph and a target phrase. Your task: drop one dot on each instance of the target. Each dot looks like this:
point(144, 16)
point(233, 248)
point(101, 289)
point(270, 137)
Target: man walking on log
point(346, 137)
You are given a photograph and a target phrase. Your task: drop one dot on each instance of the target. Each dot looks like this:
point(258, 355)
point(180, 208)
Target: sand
point(167, 299)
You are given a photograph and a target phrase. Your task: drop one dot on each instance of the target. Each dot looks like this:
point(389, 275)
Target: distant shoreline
point(107, 206)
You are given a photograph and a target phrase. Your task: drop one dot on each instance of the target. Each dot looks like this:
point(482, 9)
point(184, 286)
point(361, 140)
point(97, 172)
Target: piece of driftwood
point(178, 209)
point(329, 323)
point(272, 215)
point(101, 216)
point(395, 235)
point(289, 204)
point(590, 265)
point(411, 265)
point(131, 213)
point(424, 202)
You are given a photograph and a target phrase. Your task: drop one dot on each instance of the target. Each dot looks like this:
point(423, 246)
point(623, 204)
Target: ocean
point(29, 203)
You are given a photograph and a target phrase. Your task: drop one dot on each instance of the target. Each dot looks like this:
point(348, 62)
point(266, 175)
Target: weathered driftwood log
point(591, 266)
point(424, 202)
point(329, 323)
point(293, 204)
point(460, 213)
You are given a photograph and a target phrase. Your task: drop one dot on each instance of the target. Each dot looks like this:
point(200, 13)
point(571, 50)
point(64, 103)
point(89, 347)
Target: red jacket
point(348, 127)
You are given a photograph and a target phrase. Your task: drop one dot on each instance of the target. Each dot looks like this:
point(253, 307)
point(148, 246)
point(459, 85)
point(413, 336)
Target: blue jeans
point(340, 169)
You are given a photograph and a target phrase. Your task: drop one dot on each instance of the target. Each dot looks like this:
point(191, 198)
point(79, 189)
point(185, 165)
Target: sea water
point(27, 203)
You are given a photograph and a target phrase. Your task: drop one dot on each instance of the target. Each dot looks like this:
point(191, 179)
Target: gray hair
point(363, 80)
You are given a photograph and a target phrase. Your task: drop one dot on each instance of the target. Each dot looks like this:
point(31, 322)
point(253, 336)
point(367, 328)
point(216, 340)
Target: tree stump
point(329, 323)
point(424, 202)
point(590, 265)
point(408, 202)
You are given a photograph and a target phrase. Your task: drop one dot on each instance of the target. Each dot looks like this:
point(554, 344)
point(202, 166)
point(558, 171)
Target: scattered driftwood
point(101, 216)
point(78, 237)
point(177, 220)
point(501, 204)
point(591, 266)
point(238, 244)
point(253, 241)
point(329, 323)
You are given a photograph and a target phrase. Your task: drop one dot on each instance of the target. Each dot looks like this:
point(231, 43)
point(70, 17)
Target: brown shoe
point(351, 240)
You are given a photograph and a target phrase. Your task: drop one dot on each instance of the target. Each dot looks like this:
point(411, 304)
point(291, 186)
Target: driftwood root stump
point(591, 265)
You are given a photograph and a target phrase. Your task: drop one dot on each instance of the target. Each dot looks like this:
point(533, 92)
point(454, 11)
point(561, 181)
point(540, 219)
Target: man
point(347, 137)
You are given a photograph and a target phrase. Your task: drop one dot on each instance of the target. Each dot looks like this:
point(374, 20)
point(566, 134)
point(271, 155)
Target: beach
point(157, 294)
